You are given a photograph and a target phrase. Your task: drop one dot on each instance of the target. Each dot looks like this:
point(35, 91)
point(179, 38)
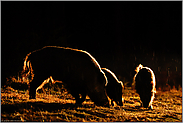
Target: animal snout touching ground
point(79, 90)
point(55, 103)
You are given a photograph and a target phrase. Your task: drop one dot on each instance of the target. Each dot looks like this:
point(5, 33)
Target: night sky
point(120, 35)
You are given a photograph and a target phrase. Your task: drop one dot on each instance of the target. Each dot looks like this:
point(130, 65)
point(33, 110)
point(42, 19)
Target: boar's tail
point(137, 70)
point(27, 69)
point(153, 82)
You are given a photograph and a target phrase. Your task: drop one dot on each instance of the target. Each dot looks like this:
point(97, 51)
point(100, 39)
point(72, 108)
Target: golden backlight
point(153, 81)
point(28, 67)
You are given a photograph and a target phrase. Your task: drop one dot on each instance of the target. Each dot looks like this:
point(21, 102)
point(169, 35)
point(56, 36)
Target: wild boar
point(144, 82)
point(77, 69)
point(113, 87)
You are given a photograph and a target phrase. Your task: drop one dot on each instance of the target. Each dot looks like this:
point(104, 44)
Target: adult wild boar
point(79, 70)
point(144, 82)
point(113, 87)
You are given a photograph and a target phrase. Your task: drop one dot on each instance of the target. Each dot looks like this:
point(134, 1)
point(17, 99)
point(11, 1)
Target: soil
point(58, 105)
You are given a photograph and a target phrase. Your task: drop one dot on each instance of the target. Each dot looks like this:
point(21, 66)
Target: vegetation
point(56, 104)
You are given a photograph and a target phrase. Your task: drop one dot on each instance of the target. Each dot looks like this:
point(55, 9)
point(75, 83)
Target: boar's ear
point(121, 84)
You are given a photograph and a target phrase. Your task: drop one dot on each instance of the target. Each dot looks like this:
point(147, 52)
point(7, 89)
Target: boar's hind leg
point(32, 90)
point(34, 85)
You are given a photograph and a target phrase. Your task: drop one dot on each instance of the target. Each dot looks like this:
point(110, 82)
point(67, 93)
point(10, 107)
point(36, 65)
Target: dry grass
point(59, 105)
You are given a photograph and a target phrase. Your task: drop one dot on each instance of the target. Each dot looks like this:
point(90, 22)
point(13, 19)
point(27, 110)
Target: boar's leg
point(34, 85)
point(32, 90)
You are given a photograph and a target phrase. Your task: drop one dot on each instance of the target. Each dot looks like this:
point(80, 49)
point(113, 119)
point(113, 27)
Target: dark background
point(120, 35)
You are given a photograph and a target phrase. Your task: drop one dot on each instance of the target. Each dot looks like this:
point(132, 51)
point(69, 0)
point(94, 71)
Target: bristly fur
point(27, 68)
point(33, 59)
point(114, 88)
point(153, 81)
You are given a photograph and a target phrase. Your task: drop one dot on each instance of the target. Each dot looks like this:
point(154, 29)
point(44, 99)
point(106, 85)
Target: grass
point(56, 104)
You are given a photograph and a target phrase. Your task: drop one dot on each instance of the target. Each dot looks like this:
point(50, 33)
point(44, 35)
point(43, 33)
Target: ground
point(58, 105)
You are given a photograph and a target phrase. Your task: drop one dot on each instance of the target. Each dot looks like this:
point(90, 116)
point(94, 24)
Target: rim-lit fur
point(113, 88)
point(27, 68)
point(153, 82)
